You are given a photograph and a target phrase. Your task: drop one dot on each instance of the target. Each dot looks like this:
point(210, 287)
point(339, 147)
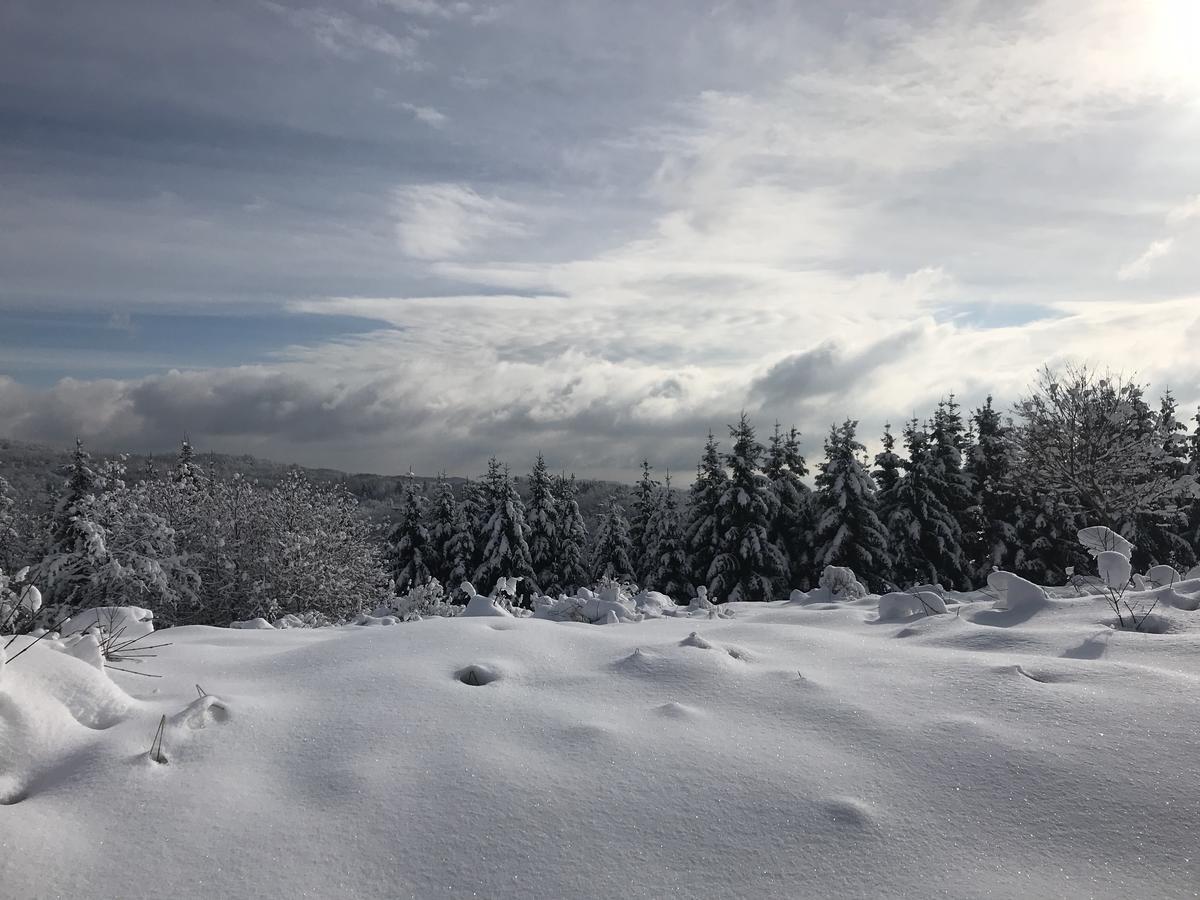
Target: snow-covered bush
point(1112, 554)
point(421, 601)
point(841, 583)
point(20, 602)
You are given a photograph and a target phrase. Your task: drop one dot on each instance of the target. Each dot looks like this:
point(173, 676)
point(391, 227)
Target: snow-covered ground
point(798, 749)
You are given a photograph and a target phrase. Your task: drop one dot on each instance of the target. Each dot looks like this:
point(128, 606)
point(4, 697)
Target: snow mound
point(259, 624)
point(129, 622)
point(1184, 596)
point(480, 605)
point(904, 604)
point(364, 619)
point(50, 702)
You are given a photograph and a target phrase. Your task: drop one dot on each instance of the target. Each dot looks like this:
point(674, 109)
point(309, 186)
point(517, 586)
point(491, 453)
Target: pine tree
point(704, 523)
point(1163, 538)
point(612, 549)
point(473, 506)
point(505, 548)
point(646, 500)
point(411, 550)
point(443, 526)
point(923, 535)
point(570, 566)
point(791, 527)
point(990, 466)
point(542, 516)
point(187, 470)
point(888, 467)
point(670, 573)
point(848, 531)
point(948, 443)
point(748, 565)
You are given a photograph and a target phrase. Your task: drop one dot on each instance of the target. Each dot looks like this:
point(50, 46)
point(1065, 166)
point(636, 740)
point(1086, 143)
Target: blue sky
point(375, 233)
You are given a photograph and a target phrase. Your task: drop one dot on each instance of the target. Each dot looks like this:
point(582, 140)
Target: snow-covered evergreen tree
point(791, 526)
point(443, 525)
point(186, 471)
point(505, 545)
point(748, 565)
point(612, 549)
point(704, 514)
point(923, 535)
point(990, 467)
point(571, 563)
point(108, 547)
point(1192, 529)
point(542, 516)
point(888, 468)
point(1164, 538)
point(848, 532)
point(948, 440)
point(645, 501)
point(670, 572)
point(411, 550)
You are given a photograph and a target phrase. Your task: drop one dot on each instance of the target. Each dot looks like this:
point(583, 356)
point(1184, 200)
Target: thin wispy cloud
point(1143, 265)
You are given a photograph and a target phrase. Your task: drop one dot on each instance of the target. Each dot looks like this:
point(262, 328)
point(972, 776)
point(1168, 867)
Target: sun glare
point(1175, 41)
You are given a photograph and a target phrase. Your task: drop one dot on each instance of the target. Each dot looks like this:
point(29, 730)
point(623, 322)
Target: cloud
point(435, 221)
point(1144, 264)
point(808, 213)
point(426, 114)
point(1184, 212)
point(346, 35)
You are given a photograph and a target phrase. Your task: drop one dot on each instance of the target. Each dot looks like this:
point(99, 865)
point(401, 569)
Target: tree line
point(946, 500)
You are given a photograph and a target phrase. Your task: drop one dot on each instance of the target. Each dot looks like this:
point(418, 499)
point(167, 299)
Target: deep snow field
point(797, 749)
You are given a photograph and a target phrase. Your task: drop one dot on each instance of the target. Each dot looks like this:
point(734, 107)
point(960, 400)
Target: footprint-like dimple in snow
point(738, 653)
point(200, 712)
point(477, 675)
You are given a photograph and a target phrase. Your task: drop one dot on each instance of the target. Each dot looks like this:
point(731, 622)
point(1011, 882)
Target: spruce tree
point(542, 515)
point(948, 443)
point(473, 507)
point(1163, 538)
point(571, 569)
point(443, 526)
point(612, 549)
point(923, 535)
point(411, 551)
point(888, 468)
point(748, 565)
point(990, 466)
point(646, 499)
point(670, 573)
point(704, 515)
point(791, 526)
point(186, 470)
point(848, 531)
point(505, 547)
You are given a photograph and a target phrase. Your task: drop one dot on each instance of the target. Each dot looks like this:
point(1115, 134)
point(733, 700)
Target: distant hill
point(35, 470)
